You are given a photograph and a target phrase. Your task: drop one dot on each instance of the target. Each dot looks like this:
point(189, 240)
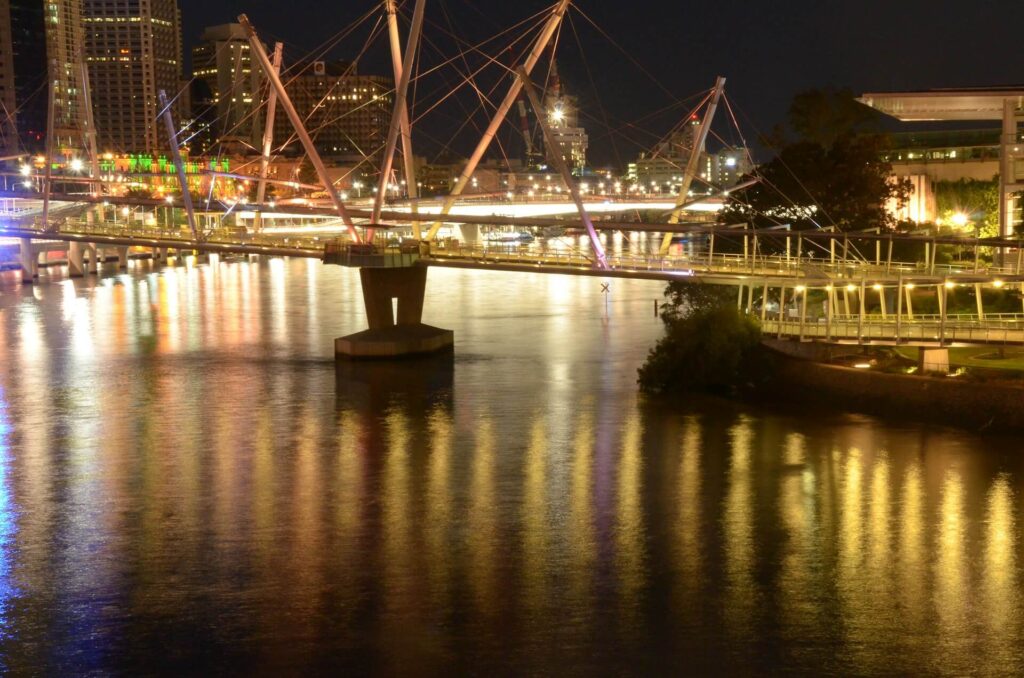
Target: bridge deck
point(919, 331)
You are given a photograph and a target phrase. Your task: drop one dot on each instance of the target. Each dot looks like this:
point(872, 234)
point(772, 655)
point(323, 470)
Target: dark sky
point(768, 50)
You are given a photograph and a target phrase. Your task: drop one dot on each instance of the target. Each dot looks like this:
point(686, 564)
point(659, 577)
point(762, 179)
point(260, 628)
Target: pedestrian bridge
point(866, 301)
point(930, 330)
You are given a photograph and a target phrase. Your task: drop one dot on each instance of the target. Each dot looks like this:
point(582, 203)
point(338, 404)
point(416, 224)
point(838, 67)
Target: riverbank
point(978, 405)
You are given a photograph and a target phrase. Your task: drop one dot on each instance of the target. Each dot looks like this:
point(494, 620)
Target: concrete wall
point(947, 400)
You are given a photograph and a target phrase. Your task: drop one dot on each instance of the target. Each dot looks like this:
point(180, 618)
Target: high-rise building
point(64, 52)
point(562, 112)
point(347, 114)
point(8, 99)
point(32, 34)
point(133, 48)
point(226, 85)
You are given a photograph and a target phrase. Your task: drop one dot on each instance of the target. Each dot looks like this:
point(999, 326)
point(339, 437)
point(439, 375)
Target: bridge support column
point(933, 360)
point(29, 260)
point(390, 336)
point(469, 233)
point(76, 260)
point(122, 258)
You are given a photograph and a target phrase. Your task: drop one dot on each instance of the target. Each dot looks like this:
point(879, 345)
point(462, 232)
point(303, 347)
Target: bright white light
point(557, 115)
point(25, 170)
point(959, 219)
point(27, 184)
point(76, 165)
point(730, 162)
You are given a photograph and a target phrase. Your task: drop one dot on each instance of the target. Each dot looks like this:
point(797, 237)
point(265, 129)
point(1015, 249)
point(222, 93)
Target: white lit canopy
point(945, 104)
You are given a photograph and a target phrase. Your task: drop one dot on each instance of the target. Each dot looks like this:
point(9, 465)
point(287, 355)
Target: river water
point(188, 484)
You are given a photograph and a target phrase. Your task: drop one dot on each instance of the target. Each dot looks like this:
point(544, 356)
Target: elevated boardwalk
point(928, 330)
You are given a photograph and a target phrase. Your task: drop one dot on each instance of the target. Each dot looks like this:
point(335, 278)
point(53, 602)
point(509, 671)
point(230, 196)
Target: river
point(188, 484)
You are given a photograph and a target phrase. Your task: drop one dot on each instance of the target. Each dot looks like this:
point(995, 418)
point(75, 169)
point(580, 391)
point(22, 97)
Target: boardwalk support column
point(390, 336)
point(29, 260)
point(76, 260)
point(933, 360)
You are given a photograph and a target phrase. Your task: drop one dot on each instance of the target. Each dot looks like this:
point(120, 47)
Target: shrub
point(715, 349)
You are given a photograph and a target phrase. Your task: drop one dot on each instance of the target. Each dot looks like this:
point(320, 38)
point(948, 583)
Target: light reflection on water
point(182, 466)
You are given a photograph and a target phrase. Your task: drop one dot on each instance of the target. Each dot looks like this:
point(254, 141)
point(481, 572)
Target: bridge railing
point(929, 331)
point(230, 236)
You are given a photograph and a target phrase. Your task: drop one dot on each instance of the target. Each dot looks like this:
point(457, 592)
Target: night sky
point(767, 50)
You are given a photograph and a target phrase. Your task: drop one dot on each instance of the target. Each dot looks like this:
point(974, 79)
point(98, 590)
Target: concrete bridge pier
point(122, 258)
point(468, 234)
point(934, 360)
point(76, 260)
point(394, 310)
point(29, 259)
point(93, 263)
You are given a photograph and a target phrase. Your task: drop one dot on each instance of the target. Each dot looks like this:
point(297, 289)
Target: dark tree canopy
point(832, 175)
point(826, 115)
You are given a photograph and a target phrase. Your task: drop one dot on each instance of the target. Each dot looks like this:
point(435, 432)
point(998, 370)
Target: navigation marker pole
point(559, 161)
point(300, 129)
point(499, 115)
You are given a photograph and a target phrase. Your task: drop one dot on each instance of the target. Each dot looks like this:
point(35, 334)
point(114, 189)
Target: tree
point(808, 185)
point(708, 344)
point(824, 116)
point(831, 174)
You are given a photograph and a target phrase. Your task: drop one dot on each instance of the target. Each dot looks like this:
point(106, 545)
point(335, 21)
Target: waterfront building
point(346, 113)
point(928, 158)
point(133, 48)
point(971, 156)
point(226, 89)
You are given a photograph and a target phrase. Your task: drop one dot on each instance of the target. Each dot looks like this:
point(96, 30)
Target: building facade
point(133, 48)
point(39, 37)
point(8, 97)
point(64, 52)
point(226, 88)
point(664, 173)
point(926, 158)
point(346, 114)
